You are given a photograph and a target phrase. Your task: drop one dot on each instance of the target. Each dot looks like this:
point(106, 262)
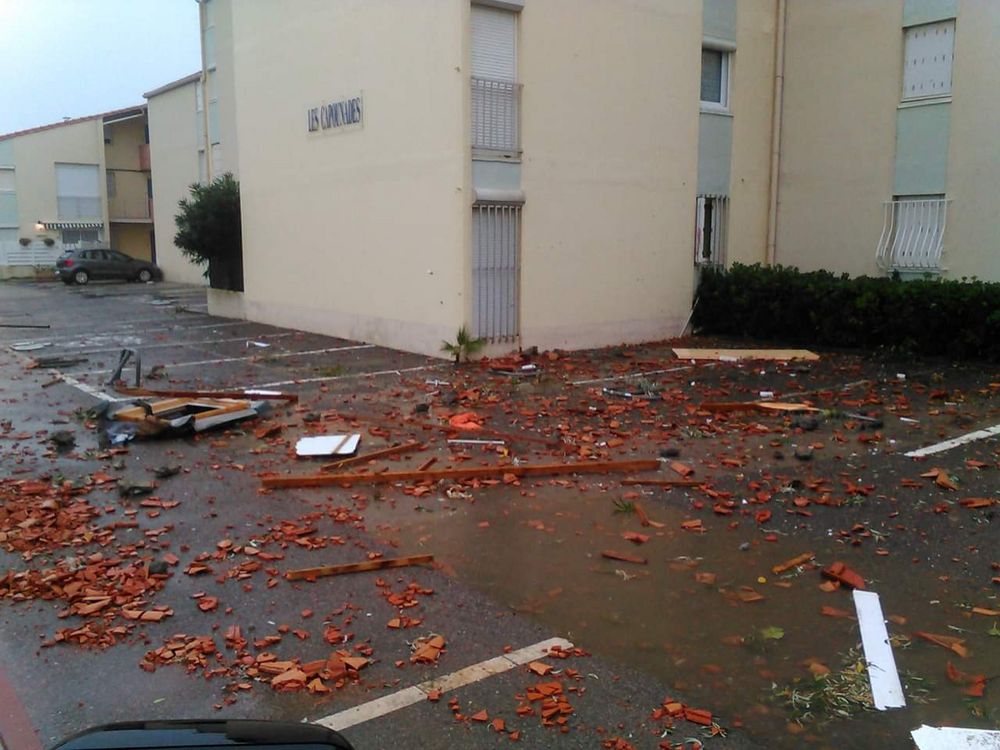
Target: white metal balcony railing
point(912, 235)
point(496, 115)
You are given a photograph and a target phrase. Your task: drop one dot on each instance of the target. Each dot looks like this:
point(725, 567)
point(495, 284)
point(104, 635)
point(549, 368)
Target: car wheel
point(81, 277)
point(145, 275)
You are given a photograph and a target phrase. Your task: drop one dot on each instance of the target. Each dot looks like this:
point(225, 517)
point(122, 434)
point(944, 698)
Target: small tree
point(209, 233)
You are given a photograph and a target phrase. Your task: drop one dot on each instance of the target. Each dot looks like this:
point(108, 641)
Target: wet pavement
point(519, 561)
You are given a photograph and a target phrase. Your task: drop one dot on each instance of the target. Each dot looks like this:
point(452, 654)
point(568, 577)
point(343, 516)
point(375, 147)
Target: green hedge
point(958, 319)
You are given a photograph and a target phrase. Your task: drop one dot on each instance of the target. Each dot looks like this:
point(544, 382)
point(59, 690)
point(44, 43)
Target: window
point(112, 184)
point(79, 236)
point(928, 52)
point(107, 135)
point(715, 79)
point(711, 222)
point(496, 95)
point(496, 243)
point(8, 198)
point(913, 233)
point(78, 191)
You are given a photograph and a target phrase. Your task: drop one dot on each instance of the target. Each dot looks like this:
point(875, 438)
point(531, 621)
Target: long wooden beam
point(173, 393)
point(361, 567)
point(469, 472)
point(360, 459)
point(666, 482)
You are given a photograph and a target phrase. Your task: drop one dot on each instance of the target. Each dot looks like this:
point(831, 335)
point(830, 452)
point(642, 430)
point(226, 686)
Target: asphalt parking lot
point(517, 563)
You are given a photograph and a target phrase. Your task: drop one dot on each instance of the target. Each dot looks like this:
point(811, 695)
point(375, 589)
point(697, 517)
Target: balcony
point(912, 235)
point(496, 118)
point(128, 197)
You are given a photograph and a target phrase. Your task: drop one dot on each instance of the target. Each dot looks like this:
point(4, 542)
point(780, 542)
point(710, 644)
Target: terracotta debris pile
point(37, 518)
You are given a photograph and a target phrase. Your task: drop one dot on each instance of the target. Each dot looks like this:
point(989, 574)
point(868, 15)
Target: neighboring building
point(77, 183)
point(889, 140)
point(554, 172)
point(191, 142)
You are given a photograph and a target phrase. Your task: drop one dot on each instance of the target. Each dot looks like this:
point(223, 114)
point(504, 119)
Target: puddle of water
point(540, 554)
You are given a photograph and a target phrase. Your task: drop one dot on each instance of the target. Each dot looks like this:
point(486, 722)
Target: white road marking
point(88, 389)
point(887, 692)
point(171, 344)
point(282, 355)
point(353, 375)
point(412, 695)
point(131, 328)
point(947, 445)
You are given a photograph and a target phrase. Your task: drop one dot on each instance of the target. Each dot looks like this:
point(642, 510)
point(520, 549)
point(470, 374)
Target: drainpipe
point(206, 139)
point(776, 112)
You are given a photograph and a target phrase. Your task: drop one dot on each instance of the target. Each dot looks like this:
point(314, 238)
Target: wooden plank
point(469, 472)
point(665, 482)
point(887, 691)
point(732, 355)
point(390, 451)
point(512, 436)
point(221, 409)
point(724, 407)
point(336, 570)
point(793, 563)
point(610, 554)
point(290, 397)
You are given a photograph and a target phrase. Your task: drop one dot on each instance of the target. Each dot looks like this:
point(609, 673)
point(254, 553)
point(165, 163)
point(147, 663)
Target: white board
point(327, 445)
point(949, 738)
point(886, 688)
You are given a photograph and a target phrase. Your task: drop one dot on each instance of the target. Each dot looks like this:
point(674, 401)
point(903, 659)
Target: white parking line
point(132, 327)
point(411, 695)
point(353, 375)
point(947, 445)
point(171, 344)
point(283, 355)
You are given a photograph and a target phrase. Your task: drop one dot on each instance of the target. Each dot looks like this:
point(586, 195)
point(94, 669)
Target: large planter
point(226, 275)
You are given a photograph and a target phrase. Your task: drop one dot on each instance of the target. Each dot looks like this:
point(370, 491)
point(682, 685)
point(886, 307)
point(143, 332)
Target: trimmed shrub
point(957, 319)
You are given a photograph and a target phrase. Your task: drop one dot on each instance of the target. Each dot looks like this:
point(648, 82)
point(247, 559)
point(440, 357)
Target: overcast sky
point(70, 58)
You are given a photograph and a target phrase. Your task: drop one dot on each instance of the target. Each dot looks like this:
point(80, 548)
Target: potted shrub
point(49, 242)
point(25, 241)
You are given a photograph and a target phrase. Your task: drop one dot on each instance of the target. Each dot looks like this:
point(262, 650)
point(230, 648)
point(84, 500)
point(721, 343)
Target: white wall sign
point(335, 115)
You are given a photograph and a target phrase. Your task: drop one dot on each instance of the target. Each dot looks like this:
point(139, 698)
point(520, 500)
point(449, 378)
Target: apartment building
point(889, 160)
point(192, 122)
point(553, 173)
point(77, 183)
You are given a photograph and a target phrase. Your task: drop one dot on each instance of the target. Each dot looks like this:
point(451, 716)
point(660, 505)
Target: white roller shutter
point(493, 43)
point(78, 190)
point(928, 54)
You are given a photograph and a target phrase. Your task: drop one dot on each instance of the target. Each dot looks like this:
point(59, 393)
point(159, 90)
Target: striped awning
point(73, 224)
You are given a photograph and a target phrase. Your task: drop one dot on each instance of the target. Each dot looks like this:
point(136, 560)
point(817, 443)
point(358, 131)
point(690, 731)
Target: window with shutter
point(494, 43)
point(78, 191)
point(928, 51)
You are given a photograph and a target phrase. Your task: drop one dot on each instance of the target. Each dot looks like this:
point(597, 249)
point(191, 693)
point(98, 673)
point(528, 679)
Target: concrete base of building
point(226, 304)
point(596, 335)
point(420, 338)
point(25, 272)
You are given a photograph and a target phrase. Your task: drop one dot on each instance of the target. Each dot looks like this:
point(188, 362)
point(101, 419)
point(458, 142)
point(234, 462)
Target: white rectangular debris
point(886, 688)
point(327, 445)
point(950, 738)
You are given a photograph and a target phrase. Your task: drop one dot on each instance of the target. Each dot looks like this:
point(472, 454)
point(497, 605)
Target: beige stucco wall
point(972, 240)
point(359, 233)
point(126, 138)
point(610, 132)
point(752, 90)
point(843, 64)
point(223, 84)
point(35, 156)
point(174, 159)
point(132, 239)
